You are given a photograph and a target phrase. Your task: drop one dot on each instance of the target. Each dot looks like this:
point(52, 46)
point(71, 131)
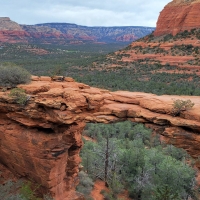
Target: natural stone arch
point(42, 141)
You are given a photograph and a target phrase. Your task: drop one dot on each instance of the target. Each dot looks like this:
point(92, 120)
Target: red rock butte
point(42, 140)
point(177, 16)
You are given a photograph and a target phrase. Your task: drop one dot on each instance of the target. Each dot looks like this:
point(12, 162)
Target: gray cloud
point(88, 12)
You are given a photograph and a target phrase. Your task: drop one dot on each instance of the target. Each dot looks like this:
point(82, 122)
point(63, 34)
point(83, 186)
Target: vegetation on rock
point(181, 105)
point(27, 193)
point(12, 75)
point(19, 96)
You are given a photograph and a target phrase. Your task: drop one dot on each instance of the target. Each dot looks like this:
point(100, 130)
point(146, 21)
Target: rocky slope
point(62, 33)
point(175, 42)
point(178, 15)
point(181, 51)
point(42, 140)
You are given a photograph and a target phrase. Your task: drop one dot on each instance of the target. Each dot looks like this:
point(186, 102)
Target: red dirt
point(124, 196)
point(98, 187)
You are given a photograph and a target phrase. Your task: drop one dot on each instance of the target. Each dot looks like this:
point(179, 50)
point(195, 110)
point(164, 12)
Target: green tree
point(129, 159)
point(175, 178)
point(181, 105)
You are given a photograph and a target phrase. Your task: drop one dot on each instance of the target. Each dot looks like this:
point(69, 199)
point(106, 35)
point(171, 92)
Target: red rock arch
point(42, 141)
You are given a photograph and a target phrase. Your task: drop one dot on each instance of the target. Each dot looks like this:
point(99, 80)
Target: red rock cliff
point(42, 140)
point(178, 15)
point(11, 32)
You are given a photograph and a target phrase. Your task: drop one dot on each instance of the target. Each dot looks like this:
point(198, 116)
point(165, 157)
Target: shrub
point(86, 184)
point(56, 71)
point(11, 75)
point(181, 105)
point(27, 193)
point(19, 96)
point(9, 190)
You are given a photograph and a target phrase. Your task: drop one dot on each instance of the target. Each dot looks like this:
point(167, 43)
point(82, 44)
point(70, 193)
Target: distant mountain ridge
point(11, 32)
point(100, 33)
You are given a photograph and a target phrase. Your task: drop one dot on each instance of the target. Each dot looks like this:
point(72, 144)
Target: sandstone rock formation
point(178, 15)
point(42, 140)
point(10, 31)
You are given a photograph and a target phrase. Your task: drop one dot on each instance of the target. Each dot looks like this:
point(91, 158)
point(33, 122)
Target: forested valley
point(127, 156)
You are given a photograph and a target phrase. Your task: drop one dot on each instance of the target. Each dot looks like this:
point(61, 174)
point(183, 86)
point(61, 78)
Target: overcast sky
point(84, 12)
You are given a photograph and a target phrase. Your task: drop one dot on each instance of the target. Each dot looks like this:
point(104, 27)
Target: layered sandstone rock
point(42, 139)
point(177, 16)
point(152, 52)
point(9, 36)
point(11, 32)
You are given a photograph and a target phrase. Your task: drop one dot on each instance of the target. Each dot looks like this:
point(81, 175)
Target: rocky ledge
point(42, 139)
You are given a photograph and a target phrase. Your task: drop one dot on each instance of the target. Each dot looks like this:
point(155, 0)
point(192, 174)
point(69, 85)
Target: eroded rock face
point(42, 139)
point(177, 16)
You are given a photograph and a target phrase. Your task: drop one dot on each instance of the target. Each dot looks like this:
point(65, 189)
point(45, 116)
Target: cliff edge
point(177, 16)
